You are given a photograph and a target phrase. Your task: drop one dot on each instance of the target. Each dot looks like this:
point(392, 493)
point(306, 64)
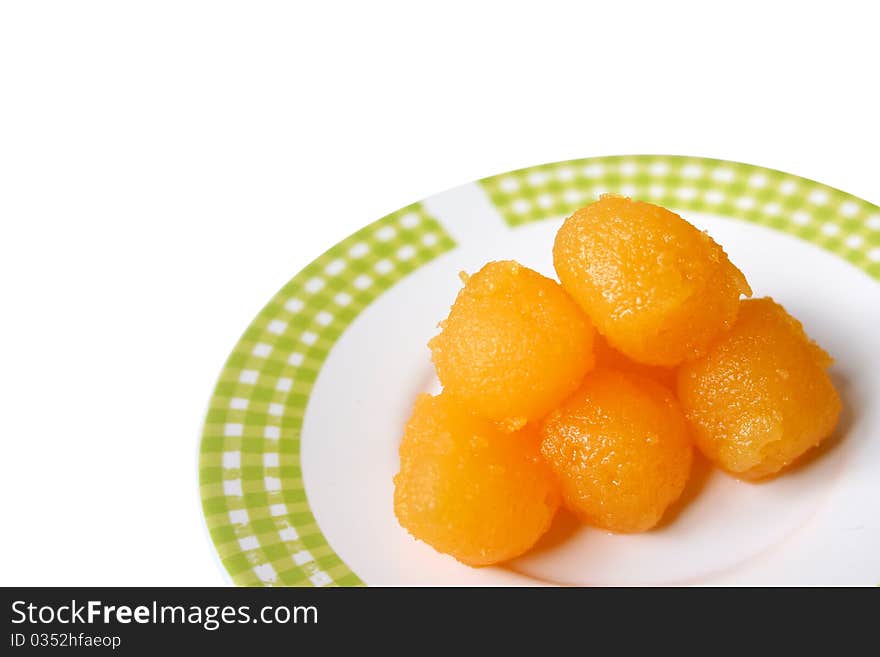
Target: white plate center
point(728, 531)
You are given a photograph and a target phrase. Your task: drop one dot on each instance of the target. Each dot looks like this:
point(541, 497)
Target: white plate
point(300, 444)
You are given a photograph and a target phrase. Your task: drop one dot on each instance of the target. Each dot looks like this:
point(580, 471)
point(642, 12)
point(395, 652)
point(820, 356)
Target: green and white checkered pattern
point(251, 483)
point(839, 222)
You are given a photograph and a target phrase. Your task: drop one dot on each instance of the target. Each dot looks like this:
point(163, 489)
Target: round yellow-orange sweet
point(514, 345)
point(761, 397)
point(468, 489)
point(620, 450)
point(656, 287)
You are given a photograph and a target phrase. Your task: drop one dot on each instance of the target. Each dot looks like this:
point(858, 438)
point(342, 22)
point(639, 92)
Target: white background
point(166, 166)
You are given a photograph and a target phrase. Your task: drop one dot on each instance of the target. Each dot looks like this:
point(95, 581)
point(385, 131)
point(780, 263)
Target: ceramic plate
point(300, 441)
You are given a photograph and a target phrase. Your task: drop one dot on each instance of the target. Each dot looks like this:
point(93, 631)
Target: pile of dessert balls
point(593, 393)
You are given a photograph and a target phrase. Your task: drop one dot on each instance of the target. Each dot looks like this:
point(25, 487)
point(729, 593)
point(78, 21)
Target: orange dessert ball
point(659, 289)
point(514, 345)
point(469, 490)
point(761, 397)
point(620, 450)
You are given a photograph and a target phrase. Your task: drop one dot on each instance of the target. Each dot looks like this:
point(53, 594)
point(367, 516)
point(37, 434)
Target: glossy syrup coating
point(608, 357)
point(514, 345)
point(656, 287)
point(468, 489)
point(620, 450)
point(761, 397)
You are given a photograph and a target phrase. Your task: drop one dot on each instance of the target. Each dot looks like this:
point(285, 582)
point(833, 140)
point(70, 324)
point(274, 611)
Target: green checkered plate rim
point(251, 484)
